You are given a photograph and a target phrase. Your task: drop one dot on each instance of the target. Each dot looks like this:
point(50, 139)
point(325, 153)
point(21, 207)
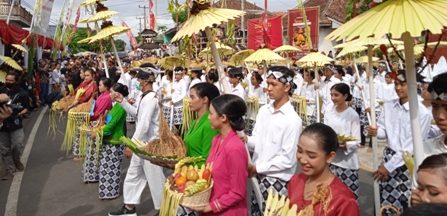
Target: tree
point(120, 45)
point(162, 28)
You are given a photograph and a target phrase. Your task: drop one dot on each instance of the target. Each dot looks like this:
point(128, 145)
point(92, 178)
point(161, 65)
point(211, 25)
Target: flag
point(132, 40)
point(151, 16)
point(41, 18)
point(265, 31)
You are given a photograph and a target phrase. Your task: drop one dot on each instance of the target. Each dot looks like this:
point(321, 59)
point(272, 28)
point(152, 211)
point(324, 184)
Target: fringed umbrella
point(286, 48)
point(11, 62)
point(88, 3)
point(202, 18)
point(172, 61)
point(221, 48)
point(20, 47)
point(239, 57)
point(264, 55)
point(102, 15)
point(108, 32)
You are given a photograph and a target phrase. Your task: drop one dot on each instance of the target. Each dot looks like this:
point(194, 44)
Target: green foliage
point(179, 12)
point(82, 33)
point(120, 45)
point(230, 30)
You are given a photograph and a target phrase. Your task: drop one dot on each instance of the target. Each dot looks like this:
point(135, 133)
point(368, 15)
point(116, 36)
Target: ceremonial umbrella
point(88, 3)
point(239, 57)
point(286, 48)
point(417, 49)
point(2, 76)
point(20, 47)
point(11, 62)
point(315, 59)
point(405, 19)
point(369, 41)
point(351, 49)
point(202, 18)
point(107, 32)
point(221, 48)
point(171, 62)
point(364, 60)
point(102, 15)
point(265, 54)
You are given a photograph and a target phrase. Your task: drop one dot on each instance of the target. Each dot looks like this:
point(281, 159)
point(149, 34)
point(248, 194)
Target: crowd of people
point(278, 138)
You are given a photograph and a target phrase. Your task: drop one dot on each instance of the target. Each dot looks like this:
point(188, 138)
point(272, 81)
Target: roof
point(329, 9)
point(236, 4)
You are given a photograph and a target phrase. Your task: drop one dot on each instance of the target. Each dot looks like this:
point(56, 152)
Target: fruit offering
point(190, 179)
point(185, 185)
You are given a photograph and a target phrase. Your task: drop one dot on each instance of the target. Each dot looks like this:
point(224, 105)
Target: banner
point(75, 27)
point(151, 16)
point(41, 17)
point(297, 34)
point(265, 32)
point(132, 40)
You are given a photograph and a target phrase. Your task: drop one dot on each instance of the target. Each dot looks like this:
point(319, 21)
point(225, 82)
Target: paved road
point(52, 185)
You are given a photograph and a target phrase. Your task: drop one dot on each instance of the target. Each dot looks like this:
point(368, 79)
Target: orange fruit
point(180, 181)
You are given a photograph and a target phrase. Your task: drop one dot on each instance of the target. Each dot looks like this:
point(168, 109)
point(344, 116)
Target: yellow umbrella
point(2, 76)
point(152, 60)
point(171, 61)
point(239, 57)
point(88, 3)
point(418, 49)
point(108, 32)
point(11, 62)
point(102, 15)
point(433, 44)
point(286, 48)
point(20, 47)
point(264, 55)
point(369, 41)
point(315, 59)
point(85, 40)
point(221, 48)
point(206, 18)
point(203, 17)
point(351, 49)
point(396, 17)
point(364, 60)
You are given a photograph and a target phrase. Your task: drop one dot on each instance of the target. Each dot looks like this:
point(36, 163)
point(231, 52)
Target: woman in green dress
point(111, 152)
point(199, 136)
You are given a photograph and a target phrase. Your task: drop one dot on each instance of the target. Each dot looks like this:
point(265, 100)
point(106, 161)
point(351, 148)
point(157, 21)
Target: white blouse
point(345, 123)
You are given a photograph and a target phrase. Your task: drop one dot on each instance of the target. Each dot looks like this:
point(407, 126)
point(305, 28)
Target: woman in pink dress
point(316, 191)
point(228, 158)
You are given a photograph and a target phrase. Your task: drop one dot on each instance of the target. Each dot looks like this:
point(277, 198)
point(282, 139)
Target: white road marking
point(13, 195)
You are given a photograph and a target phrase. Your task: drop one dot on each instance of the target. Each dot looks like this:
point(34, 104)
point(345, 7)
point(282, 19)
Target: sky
point(129, 10)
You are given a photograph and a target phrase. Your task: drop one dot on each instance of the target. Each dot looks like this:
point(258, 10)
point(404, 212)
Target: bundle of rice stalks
point(345, 138)
point(169, 145)
point(79, 93)
point(56, 109)
point(188, 116)
point(74, 122)
point(253, 104)
point(300, 103)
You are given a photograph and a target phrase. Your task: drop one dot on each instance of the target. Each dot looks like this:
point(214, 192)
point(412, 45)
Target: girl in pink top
point(229, 159)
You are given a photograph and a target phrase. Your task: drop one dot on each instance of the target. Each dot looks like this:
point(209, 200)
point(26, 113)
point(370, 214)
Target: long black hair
point(120, 88)
point(233, 107)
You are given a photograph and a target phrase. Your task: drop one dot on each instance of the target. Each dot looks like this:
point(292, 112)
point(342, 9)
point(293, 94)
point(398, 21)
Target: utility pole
point(145, 15)
point(139, 19)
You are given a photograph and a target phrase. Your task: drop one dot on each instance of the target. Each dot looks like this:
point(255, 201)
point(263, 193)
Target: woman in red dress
point(316, 191)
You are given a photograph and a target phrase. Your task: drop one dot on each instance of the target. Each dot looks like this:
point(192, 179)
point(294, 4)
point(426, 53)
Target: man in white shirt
point(141, 171)
point(395, 126)
point(275, 136)
point(326, 85)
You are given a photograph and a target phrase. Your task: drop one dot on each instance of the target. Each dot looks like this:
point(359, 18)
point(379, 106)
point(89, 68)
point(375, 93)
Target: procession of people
point(267, 134)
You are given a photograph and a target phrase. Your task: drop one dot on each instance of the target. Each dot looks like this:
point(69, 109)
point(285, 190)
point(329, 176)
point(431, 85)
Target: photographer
point(11, 132)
